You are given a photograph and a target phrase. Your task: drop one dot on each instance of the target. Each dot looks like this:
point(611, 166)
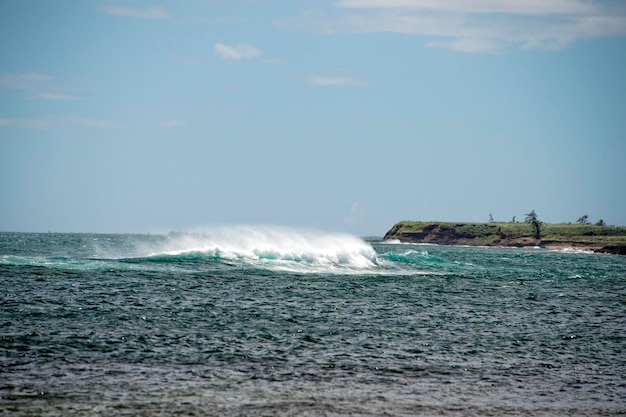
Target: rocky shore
point(600, 239)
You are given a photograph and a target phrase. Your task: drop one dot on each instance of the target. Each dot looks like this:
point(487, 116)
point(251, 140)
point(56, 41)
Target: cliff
point(606, 239)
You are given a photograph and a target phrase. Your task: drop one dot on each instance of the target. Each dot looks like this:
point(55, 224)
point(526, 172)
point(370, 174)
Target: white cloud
point(36, 86)
point(25, 81)
point(466, 45)
point(151, 13)
point(332, 81)
point(218, 20)
point(51, 122)
point(29, 123)
point(474, 25)
point(54, 96)
point(529, 7)
point(237, 52)
point(97, 123)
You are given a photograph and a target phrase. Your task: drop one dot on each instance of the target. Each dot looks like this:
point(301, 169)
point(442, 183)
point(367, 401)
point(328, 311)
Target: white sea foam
point(399, 242)
point(278, 245)
point(573, 250)
point(391, 242)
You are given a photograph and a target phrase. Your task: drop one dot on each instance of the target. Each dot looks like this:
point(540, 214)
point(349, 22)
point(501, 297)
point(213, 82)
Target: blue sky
point(340, 115)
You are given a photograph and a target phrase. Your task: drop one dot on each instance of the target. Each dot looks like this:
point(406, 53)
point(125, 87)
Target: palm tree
point(531, 219)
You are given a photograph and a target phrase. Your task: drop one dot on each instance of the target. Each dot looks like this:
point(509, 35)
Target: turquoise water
point(276, 322)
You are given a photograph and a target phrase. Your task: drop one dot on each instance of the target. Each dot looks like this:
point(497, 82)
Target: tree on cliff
point(583, 219)
point(531, 219)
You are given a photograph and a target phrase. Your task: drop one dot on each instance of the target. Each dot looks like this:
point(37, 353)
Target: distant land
point(601, 239)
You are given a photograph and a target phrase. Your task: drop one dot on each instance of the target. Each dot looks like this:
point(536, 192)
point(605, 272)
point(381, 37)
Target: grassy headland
point(608, 239)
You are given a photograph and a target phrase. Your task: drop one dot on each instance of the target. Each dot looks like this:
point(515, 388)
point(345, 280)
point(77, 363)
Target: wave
point(414, 257)
point(269, 246)
point(87, 264)
point(573, 250)
point(242, 247)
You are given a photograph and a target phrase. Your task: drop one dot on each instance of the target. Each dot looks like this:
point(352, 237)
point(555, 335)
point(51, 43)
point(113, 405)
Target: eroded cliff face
point(445, 234)
point(487, 234)
point(614, 249)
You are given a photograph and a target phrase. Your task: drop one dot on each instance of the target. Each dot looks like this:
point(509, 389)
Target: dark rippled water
point(276, 322)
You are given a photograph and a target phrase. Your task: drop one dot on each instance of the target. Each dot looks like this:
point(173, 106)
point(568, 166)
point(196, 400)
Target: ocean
point(270, 321)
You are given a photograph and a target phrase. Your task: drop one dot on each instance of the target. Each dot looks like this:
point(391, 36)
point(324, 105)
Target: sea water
point(262, 321)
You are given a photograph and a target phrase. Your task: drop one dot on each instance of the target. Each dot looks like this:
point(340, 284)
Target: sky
point(130, 116)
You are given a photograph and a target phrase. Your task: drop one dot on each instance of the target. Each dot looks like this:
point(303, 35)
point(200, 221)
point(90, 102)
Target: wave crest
point(277, 245)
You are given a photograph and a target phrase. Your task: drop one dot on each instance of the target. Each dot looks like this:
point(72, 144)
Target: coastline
point(593, 238)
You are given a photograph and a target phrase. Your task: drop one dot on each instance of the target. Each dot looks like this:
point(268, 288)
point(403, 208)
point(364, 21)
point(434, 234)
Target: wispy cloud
point(216, 20)
point(27, 123)
point(23, 82)
point(52, 122)
point(35, 86)
point(529, 7)
point(238, 52)
point(95, 123)
point(54, 96)
point(334, 81)
point(150, 13)
point(474, 25)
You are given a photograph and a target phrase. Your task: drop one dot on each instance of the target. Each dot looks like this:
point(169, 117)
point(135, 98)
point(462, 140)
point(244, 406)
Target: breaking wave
point(242, 247)
point(279, 247)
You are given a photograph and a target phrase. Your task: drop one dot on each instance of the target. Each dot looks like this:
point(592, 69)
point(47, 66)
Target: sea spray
point(274, 243)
